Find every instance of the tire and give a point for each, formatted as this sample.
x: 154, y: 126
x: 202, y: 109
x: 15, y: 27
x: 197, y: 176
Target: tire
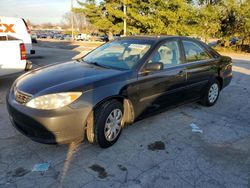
x: 106, y: 131
x: 212, y: 94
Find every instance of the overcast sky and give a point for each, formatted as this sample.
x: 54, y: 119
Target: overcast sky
x: 37, y: 11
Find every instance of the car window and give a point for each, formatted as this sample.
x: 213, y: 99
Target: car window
x: 194, y: 52
x: 121, y: 54
x: 168, y: 54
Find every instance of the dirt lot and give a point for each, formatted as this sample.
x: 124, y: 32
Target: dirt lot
x: 160, y: 151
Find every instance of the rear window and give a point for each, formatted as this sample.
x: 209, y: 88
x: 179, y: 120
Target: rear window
x: 194, y: 51
x: 7, y: 37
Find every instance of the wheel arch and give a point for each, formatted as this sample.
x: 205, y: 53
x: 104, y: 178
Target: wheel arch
x: 220, y: 80
x: 129, y: 114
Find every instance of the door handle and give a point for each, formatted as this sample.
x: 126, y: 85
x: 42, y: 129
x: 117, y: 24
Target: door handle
x: 182, y: 73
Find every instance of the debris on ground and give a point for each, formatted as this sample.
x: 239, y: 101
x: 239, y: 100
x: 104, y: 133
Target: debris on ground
x: 40, y: 167
x: 158, y: 145
x: 19, y: 172
x: 102, y: 174
x: 195, y: 128
x: 122, y: 168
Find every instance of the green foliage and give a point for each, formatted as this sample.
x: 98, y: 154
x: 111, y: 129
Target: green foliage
x: 208, y: 21
x: 160, y: 17
x: 106, y: 16
x: 236, y: 20
x: 204, y: 18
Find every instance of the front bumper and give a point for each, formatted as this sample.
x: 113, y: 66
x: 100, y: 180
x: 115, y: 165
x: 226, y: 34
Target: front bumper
x: 51, y: 127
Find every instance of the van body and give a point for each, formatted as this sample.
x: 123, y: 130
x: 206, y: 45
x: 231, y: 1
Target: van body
x: 12, y: 56
x: 17, y: 28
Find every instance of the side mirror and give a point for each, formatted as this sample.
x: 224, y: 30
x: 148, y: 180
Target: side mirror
x: 150, y: 67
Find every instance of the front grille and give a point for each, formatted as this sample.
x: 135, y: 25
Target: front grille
x: 21, y: 97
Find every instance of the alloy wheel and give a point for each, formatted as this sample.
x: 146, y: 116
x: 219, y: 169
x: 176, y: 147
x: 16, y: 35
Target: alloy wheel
x: 113, y: 125
x: 213, y: 93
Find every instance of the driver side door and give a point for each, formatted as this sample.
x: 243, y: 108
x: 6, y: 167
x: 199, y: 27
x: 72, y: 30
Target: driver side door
x: 163, y: 87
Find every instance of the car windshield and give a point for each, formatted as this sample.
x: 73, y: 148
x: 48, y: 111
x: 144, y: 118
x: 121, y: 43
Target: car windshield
x: 120, y: 54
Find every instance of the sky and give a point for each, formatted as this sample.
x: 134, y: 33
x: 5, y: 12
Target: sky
x: 37, y: 11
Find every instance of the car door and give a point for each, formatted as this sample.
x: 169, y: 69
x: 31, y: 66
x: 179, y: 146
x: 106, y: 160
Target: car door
x: 162, y: 87
x: 200, y: 67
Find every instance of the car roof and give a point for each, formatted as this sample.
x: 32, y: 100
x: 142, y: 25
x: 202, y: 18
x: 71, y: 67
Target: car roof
x: 153, y: 38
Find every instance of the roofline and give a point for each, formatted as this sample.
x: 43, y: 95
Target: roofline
x: 155, y: 38
x: 151, y: 36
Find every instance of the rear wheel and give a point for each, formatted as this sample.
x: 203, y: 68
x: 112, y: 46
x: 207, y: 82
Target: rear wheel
x: 212, y: 94
x: 108, y: 123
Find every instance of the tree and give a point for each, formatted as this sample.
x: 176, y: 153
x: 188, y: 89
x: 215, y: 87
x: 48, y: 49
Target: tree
x: 144, y: 16
x: 205, y: 18
x: 244, y: 24
x: 235, y: 20
x: 208, y: 20
x: 107, y: 16
x: 80, y: 22
x: 209, y: 2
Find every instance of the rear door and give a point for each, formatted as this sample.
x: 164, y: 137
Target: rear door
x: 200, y: 67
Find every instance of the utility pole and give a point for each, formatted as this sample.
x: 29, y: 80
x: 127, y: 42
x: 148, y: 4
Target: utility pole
x: 72, y: 21
x: 125, y: 18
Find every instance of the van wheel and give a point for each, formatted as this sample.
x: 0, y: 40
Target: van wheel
x: 108, y: 123
x: 212, y: 94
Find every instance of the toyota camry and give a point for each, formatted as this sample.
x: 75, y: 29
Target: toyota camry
x: 95, y: 96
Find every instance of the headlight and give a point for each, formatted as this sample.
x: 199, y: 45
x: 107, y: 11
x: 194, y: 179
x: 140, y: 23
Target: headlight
x: 53, y: 101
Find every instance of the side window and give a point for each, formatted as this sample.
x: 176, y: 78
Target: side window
x: 194, y: 52
x: 168, y: 54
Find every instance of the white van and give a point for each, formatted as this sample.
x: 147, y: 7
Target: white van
x: 17, y: 28
x: 12, y: 56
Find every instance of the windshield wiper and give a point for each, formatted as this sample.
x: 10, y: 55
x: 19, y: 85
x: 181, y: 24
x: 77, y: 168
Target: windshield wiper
x: 97, y: 64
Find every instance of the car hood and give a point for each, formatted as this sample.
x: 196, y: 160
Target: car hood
x: 63, y: 77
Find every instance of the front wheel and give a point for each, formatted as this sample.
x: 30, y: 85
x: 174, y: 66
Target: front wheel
x: 212, y: 94
x: 108, y: 119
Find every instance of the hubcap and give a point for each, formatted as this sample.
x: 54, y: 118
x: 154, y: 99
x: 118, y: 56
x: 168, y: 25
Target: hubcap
x: 213, y: 93
x: 113, y: 125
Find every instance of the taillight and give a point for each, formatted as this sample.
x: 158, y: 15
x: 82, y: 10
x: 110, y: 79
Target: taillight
x: 22, y: 51
x: 26, y: 25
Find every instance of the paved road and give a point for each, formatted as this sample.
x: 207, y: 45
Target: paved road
x: 160, y: 151
x: 49, y: 53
